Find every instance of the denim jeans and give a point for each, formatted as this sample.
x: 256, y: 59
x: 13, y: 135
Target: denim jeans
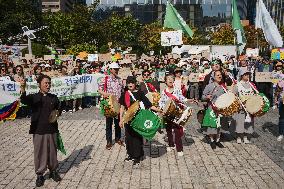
x: 109, y: 122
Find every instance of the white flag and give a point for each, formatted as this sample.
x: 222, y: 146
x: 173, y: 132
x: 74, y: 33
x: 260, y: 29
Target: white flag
x: 265, y: 22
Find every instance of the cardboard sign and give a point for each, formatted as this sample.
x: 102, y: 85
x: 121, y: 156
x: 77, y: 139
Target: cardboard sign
x: 105, y: 57
x: 250, y: 52
x: 130, y: 56
x: 263, y: 77
x: 193, y: 77
x: 65, y: 57
x: 277, y: 54
x: 29, y: 56
x: 48, y: 57
x: 83, y: 55
x: 93, y: 57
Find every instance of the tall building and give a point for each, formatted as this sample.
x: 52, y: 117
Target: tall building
x: 57, y: 5
x: 200, y: 13
x: 82, y: 2
x: 276, y: 10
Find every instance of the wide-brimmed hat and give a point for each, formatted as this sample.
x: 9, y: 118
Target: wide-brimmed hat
x: 244, y: 71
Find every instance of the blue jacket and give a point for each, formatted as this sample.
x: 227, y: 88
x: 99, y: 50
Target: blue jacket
x: 260, y: 66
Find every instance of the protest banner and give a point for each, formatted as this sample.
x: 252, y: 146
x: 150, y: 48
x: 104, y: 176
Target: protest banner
x: 65, y: 57
x: 277, y: 54
x: 65, y: 88
x: 250, y: 52
x: 171, y: 38
x: 263, y: 77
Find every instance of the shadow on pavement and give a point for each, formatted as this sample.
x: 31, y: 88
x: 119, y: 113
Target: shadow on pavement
x: 75, y: 158
x: 271, y: 127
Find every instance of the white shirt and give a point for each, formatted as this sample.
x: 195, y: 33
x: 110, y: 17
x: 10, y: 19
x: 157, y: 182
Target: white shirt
x: 164, y: 98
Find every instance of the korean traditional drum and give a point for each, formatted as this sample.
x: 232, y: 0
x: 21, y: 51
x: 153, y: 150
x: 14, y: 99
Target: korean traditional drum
x: 131, y: 112
x: 257, y: 105
x: 112, y: 108
x: 227, y: 104
x: 154, y: 98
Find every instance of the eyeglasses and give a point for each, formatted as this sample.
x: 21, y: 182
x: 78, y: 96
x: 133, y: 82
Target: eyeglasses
x: 18, y: 69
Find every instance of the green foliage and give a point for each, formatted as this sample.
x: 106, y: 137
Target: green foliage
x: 223, y: 36
x: 37, y: 49
x: 76, y: 49
x: 14, y: 14
x: 104, y: 49
x: 255, y: 38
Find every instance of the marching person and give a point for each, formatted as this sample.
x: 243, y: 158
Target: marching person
x: 148, y: 84
x: 133, y: 140
x: 179, y: 82
x: 176, y: 95
x: 211, y: 121
x: 44, y: 131
x: 112, y: 85
x: 244, y: 123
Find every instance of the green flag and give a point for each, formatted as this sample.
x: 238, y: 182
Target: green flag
x: 59, y: 144
x: 210, y: 119
x: 238, y: 27
x: 175, y: 21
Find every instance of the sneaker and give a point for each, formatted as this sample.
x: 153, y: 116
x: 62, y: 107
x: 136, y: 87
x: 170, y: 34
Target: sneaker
x: 280, y: 138
x: 169, y: 148
x: 70, y: 111
x: 213, y: 145
x: 39, y: 181
x: 136, y: 162
x: 180, y: 153
x: 55, y: 176
x: 119, y: 142
x: 239, y: 140
x: 246, y: 140
x: 220, y: 145
x: 74, y: 109
x: 63, y: 111
x: 80, y: 108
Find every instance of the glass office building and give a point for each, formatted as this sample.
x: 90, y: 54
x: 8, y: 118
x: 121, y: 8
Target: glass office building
x: 200, y: 13
x: 276, y: 10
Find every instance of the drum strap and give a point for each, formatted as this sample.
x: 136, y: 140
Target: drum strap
x: 174, y: 98
x: 127, y: 99
x: 151, y: 87
x: 254, y: 87
x: 105, y: 84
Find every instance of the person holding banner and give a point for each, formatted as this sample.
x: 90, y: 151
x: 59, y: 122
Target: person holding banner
x: 175, y: 94
x: 244, y: 122
x: 211, y: 121
x: 112, y: 85
x: 133, y: 139
x: 44, y: 128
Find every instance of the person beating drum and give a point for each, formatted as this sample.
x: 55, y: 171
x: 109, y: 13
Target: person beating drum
x: 176, y: 95
x: 133, y: 140
x: 244, y: 124
x: 211, y: 121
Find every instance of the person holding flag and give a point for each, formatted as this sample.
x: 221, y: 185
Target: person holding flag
x: 176, y: 95
x: 211, y: 121
x: 44, y: 128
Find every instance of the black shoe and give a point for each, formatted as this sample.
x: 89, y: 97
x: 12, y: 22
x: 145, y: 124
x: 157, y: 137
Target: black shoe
x: 220, y: 145
x: 213, y: 145
x: 55, y: 176
x: 128, y: 159
x: 39, y: 181
x: 136, y: 162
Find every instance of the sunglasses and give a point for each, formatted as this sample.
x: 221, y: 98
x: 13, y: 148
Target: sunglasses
x: 146, y: 74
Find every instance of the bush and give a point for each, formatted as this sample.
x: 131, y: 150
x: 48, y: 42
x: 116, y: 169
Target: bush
x: 37, y: 50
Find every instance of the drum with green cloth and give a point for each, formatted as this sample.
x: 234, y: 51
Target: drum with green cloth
x: 146, y: 123
x: 257, y: 105
x: 210, y: 119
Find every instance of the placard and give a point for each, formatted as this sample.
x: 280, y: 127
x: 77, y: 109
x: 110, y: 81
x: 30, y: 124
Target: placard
x: 105, y: 57
x: 48, y: 57
x: 263, y: 77
x: 93, y: 57
x: 250, y: 52
x: 171, y: 38
x: 65, y: 57
x: 161, y: 76
x: 193, y: 77
x: 130, y: 56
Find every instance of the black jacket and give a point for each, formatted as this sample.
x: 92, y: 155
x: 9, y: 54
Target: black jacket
x: 41, y: 107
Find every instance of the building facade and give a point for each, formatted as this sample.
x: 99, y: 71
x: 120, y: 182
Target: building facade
x: 199, y: 13
x: 276, y: 10
x: 57, y: 5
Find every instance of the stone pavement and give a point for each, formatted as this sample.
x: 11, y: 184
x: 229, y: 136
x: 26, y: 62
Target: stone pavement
x: 89, y: 165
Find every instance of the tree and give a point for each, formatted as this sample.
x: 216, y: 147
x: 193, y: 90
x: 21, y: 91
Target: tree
x: 14, y: 14
x: 223, y: 36
x: 38, y: 50
x: 199, y: 37
x: 76, y: 49
x: 150, y: 37
x: 255, y: 38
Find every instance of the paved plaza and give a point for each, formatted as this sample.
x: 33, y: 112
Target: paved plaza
x: 88, y: 165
